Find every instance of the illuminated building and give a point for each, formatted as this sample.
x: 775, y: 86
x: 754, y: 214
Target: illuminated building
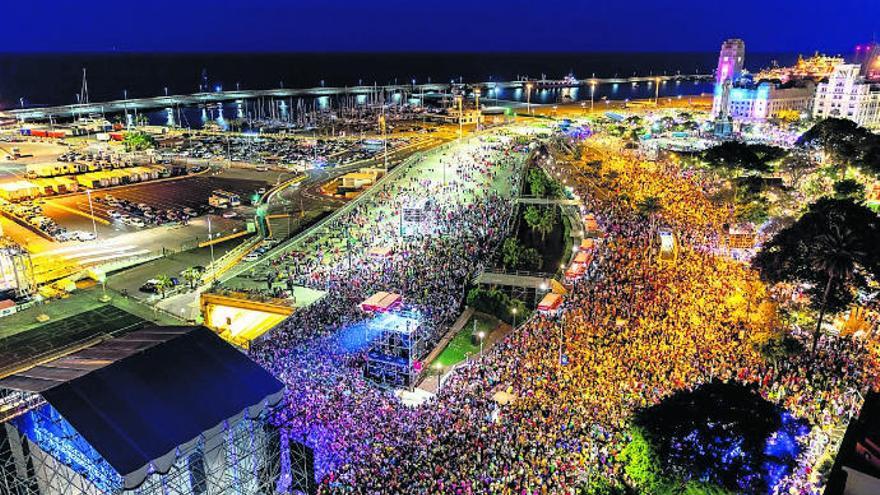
x: 240, y: 319
x: 869, y: 57
x: 162, y: 410
x: 848, y: 95
x: 767, y: 99
x: 815, y: 68
x: 730, y: 67
x: 736, y: 98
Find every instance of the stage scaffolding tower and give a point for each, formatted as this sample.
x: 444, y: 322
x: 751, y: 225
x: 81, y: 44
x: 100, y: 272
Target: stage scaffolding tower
x: 393, y: 357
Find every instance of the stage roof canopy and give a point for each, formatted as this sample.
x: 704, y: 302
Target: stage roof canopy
x: 138, y: 397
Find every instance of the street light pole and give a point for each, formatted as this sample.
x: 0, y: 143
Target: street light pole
x: 460, y: 115
x: 439, y: 368
x: 657, y: 92
x: 384, y: 140
x: 514, y: 317
x: 561, y: 342
x: 92, y: 212
x: 529, y: 98
x: 592, y: 94
x: 211, y: 245
x: 477, y: 92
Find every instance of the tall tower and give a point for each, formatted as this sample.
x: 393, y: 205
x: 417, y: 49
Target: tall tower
x: 730, y: 66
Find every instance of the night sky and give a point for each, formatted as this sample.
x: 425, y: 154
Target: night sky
x: 834, y: 26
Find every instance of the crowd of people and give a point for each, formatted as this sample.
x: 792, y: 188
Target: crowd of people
x: 630, y: 333
x: 470, y: 190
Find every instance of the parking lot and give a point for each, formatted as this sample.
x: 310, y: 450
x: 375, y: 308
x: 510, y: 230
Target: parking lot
x: 296, y: 152
x: 178, y: 201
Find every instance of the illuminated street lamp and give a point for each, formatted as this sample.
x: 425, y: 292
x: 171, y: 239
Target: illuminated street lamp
x: 514, y: 317
x: 439, y: 368
x: 460, y: 99
x: 481, y: 335
x: 529, y: 97
x: 477, y: 92
x: 657, y: 92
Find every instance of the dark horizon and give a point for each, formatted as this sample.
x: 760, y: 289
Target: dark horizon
x: 49, y: 78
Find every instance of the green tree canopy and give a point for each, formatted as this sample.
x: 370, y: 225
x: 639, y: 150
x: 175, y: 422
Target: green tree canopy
x: 163, y: 283
x: 138, y: 141
x: 832, y: 249
x: 649, y: 207
x: 540, y: 219
x: 735, y: 157
x: 849, y: 189
x: 712, y: 439
x: 844, y: 142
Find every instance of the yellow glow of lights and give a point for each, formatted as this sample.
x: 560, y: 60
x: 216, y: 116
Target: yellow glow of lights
x: 238, y: 324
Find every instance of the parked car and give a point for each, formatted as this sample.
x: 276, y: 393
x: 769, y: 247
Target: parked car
x: 150, y: 286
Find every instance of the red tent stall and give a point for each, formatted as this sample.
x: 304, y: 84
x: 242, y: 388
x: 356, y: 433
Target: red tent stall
x: 382, y: 302
x: 550, y: 302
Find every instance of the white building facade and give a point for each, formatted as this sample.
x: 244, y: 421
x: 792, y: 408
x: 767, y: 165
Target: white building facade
x: 847, y: 95
x: 766, y: 100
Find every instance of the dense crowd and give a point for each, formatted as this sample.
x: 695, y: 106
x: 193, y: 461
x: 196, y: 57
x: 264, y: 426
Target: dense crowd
x: 630, y: 333
x: 470, y: 204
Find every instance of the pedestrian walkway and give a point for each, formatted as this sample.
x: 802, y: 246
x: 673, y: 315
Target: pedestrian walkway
x: 546, y: 201
x: 519, y: 279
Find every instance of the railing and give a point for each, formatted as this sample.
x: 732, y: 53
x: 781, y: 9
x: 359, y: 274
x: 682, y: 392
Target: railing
x: 216, y: 268
x: 519, y: 273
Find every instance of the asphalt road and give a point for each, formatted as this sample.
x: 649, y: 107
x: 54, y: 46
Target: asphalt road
x: 131, y: 279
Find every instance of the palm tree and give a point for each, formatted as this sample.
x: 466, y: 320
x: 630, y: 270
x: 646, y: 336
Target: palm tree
x: 511, y: 253
x: 192, y: 276
x: 648, y: 207
x: 836, y: 256
x: 163, y: 283
x: 548, y: 221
